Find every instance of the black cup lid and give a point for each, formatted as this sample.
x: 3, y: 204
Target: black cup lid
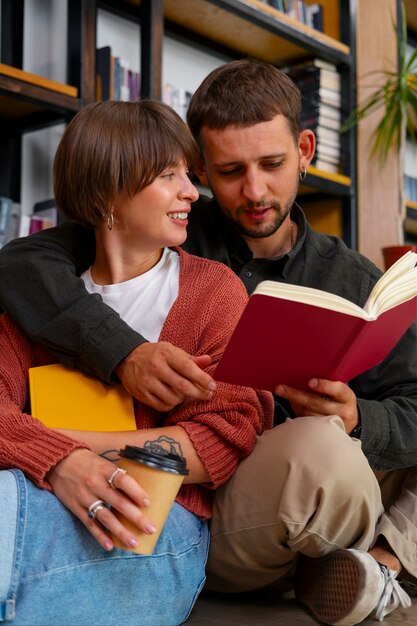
x: 168, y: 462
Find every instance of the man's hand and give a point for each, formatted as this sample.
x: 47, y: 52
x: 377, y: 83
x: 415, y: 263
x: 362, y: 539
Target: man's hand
x: 161, y: 375
x: 326, y: 398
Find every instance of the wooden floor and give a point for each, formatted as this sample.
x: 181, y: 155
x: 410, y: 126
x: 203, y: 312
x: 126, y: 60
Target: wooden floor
x: 264, y: 609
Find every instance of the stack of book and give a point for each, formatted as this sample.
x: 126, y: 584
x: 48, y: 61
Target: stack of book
x: 320, y: 86
x: 114, y: 78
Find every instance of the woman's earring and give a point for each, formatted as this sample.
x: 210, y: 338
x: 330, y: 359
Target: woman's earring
x: 302, y: 174
x: 110, y: 221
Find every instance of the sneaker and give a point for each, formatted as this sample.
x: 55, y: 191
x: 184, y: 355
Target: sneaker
x: 344, y: 587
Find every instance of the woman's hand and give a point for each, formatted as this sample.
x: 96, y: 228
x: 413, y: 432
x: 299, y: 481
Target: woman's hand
x: 82, y: 478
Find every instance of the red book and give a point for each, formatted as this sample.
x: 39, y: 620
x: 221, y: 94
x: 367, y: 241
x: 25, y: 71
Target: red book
x: 288, y: 334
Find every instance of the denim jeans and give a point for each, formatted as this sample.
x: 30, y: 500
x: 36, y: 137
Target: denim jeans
x: 52, y: 571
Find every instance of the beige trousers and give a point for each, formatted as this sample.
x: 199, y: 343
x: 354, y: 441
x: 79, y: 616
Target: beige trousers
x: 307, y: 487
x: 399, y: 522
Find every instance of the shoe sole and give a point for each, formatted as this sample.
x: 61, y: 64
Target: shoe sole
x: 336, y: 588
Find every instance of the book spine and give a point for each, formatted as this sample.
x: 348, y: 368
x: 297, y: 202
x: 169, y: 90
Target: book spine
x: 6, y: 206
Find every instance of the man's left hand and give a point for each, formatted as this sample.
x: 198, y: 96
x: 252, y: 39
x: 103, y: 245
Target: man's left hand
x: 325, y: 398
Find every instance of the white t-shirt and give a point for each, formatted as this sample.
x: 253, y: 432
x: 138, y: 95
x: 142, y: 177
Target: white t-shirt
x: 143, y: 302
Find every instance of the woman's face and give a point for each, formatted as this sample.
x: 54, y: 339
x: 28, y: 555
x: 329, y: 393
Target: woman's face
x: 157, y: 216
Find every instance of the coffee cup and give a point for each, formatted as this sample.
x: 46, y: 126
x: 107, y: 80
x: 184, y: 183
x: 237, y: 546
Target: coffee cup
x: 161, y: 476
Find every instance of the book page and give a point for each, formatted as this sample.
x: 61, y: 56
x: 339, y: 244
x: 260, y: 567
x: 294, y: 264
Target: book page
x: 398, y: 284
x: 309, y: 295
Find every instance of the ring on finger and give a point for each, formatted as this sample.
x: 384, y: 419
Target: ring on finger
x: 118, y: 470
x: 94, y: 508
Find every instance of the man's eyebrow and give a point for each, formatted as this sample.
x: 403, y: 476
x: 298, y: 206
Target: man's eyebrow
x: 264, y: 157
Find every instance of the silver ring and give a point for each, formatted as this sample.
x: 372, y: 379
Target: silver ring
x: 113, y: 476
x: 94, y: 508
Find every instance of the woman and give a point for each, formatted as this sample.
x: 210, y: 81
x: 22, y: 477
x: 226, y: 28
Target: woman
x: 122, y: 169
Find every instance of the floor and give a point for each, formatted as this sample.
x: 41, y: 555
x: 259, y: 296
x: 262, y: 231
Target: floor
x: 264, y: 609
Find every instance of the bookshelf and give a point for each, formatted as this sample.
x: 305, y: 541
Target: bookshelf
x: 224, y: 28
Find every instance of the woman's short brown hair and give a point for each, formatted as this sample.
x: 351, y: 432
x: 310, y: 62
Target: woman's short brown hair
x: 112, y: 148
x: 243, y: 93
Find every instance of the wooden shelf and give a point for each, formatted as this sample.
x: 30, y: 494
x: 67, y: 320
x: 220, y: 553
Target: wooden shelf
x: 31, y: 97
x: 38, y: 81
x: 253, y: 28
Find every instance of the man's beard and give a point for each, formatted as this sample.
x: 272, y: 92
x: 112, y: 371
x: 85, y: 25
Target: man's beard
x: 261, y: 230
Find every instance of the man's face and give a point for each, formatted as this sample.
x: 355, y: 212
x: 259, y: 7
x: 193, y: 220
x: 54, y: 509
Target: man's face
x: 253, y: 173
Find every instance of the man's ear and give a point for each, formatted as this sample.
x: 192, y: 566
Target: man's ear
x: 200, y: 172
x: 306, y: 147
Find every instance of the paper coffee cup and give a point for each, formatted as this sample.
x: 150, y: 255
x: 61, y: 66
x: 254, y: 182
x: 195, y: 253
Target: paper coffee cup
x: 161, y: 476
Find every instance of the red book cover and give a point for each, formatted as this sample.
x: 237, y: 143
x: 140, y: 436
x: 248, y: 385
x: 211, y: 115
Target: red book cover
x: 280, y: 341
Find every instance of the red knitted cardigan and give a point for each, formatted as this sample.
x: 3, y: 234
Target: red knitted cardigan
x: 223, y: 430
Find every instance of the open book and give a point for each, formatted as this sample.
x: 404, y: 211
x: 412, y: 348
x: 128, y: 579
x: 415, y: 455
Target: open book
x: 61, y: 397
x: 288, y: 334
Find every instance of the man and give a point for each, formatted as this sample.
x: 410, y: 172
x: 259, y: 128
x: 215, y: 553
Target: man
x: 307, y: 489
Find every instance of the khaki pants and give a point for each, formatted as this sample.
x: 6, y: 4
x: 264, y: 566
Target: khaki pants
x: 399, y: 522
x: 307, y: 487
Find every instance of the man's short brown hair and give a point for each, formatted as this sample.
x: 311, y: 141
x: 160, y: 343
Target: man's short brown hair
x: 112, y: 148
x: 244, y: 93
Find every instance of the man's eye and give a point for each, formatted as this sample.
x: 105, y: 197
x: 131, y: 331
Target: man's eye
x: 273, y: 165
x: 229, y: 172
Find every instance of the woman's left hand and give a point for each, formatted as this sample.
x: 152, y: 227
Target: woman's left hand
x: 82, y: 478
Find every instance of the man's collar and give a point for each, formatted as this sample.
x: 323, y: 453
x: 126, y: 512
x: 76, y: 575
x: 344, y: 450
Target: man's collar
x: 239, y: 249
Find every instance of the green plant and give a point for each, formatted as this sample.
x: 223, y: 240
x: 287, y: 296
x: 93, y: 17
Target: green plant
x: 398, y: 96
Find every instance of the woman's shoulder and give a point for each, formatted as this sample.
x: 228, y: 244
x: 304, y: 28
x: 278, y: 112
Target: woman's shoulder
x: 216, y: 269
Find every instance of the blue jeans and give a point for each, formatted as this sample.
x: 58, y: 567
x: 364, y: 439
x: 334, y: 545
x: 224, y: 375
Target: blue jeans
x: 53, y: 572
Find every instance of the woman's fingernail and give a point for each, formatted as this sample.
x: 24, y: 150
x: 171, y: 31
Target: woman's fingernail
x: 108, y: 546
x: 146, y: 502
x: 150, y: 529
x: 132, y: 542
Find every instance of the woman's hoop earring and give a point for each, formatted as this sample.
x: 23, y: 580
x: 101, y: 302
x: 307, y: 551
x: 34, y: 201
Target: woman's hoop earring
x: 302, y: 174
x: 110, y: 221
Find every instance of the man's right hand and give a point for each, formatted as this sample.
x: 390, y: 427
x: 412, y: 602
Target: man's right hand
x: 162, y: 375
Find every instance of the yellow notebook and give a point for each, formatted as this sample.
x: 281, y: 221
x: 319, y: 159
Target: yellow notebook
x: 64, y: 398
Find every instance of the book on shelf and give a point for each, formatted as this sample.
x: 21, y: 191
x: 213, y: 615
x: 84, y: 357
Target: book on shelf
x: 314, y: 109
x: 310, y: 14
x: 318, y: 119
x: 322, y: 163
x: 61, y: 397
x: 328, y: 136
x: 104, y: 73
x: 288, y: 334
x: 314, y: 74
x: 314, y: 16
x: 114, y: 78
x: 327, y: 151
x: 319, y: 96
x: 6, y: 206
x: 410, y: 188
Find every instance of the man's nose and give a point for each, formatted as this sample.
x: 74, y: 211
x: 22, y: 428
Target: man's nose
x: 254, y: 187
